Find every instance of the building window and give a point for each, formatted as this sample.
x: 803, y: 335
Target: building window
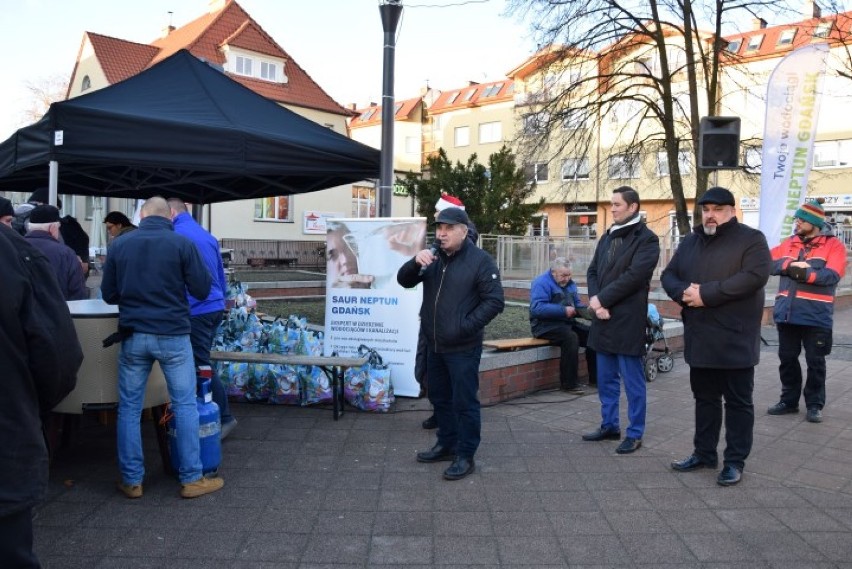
x: 734, y: 46
x: 273, y: 209
x: 623, y: 166
x: 469, y: 95
x: 453, y: 97
x: 786, y: 37
x: 243, y: 66
x: 492, y: 90
x: 822, y: 30
x: 490, y: 132
x: 368, y: 114
x: 461, y: 136
x: 833, y: 154
x: 753, y: 159
x: 87, y: 84
x: 572, y: 119
x: 412, y: 145
x: 575, y: 169
x: 536, y: 123
x: 754, y: 42
x: 268, y: 71
x: 683, y: 163
x: 536, y: 172
x: 363, y: 201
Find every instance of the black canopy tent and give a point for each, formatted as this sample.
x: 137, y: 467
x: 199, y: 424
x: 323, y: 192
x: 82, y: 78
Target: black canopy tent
x: 183, y: 129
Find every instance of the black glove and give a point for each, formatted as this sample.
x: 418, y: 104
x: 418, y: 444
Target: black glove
x: 122, y: 334
x: 797, y: 273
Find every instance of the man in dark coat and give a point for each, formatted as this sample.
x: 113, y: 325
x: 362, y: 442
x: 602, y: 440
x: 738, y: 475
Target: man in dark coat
x: 41, y: 356
x: 43, y: 233
x: 717, y: 276
x: 461, y: 294
x: 618, y: 279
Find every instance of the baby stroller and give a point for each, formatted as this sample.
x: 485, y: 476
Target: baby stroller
x: 658, y: 356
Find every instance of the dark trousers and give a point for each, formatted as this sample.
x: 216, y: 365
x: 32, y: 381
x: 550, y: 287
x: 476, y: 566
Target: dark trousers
x: 817, y: 344
x: 709, y: 387
x: 453, y: 385
x: 203, y: 328
x: 591, y: 357
x: 568, y: 343
x: 16, y: 541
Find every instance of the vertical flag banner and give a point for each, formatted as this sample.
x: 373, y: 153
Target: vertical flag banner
x: 363, y: 302
x: 792, y: 108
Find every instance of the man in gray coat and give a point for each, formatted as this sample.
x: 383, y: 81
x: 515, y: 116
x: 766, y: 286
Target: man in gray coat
x: 717, y: 276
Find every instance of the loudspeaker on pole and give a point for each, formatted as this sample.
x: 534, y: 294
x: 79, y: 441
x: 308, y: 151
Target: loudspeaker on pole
x: 719, y: 143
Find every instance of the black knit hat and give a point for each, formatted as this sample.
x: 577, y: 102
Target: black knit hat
x: 44, y: 214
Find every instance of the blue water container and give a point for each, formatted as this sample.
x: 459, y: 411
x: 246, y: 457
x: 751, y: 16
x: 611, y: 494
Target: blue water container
x: 209, y: 427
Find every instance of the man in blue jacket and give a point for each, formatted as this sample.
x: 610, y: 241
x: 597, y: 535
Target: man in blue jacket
x: 461, y: 294
x: 205, y: 315
x: 554, y: 305
x: 147, y: 274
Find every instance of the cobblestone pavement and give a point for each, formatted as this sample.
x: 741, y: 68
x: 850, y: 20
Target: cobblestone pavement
x: 304, y: 491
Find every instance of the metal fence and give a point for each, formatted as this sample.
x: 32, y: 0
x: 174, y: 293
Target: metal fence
x: 307, y: 253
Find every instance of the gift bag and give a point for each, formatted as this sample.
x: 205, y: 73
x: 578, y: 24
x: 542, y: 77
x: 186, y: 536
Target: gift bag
x: 316, y: 387
x: 369, y: 387
x: 285, y: 382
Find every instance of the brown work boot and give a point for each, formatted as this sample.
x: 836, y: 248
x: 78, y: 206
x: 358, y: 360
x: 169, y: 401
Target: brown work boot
x: 132, y: 491
x: 201, y: 487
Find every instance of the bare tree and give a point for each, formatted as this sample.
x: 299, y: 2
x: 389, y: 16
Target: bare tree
x: 650, y: 67
x: 44, y: 91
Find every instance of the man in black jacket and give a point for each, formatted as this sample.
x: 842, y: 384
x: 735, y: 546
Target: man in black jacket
x: 41, y: 356
x: 618, y: 279
x: 461, y: 294
x: 717, y: 276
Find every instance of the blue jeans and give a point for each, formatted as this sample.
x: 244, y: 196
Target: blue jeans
x: 612, y: 369
x: 138, y: 353
x: 453, y: 386
x: 204, y: 327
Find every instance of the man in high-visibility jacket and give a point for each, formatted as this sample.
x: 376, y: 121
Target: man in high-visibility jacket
x: 810, y: 263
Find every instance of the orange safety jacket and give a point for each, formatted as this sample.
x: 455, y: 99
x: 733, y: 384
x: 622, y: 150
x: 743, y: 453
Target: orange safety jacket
x: 809, y: 299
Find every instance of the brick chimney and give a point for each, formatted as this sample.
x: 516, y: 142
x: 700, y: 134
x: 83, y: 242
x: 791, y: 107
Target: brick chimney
x: 167, y: 30
x: 758, y: 24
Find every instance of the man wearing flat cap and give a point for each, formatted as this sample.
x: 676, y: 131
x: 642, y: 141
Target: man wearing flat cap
x: 461, y: 294
x: 717, y: 276
x: 811, y: 264
x: 43, y: 234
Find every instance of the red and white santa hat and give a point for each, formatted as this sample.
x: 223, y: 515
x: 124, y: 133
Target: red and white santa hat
x: 446, y: 200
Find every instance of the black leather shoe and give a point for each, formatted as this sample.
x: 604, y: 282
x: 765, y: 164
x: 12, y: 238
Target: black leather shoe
x: 814, y: 415
x: 461, y: 467
x: 437, y: 454
x: 628, y: 445
x: 602, y: 435
x: 691, y: 463
x: 782, y: 408
x: 729, y: 476
x: 430, y: 423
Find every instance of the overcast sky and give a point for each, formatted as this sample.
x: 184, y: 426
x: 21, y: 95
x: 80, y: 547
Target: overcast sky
x: 338, y: 42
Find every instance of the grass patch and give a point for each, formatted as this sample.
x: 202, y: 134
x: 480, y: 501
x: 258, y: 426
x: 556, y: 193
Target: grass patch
x: 513, y: 322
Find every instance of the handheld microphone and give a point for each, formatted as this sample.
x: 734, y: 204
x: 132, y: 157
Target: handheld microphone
x: 436, y: 245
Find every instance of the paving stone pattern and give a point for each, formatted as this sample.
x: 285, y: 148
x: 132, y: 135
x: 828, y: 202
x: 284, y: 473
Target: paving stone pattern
x: 302, y: 491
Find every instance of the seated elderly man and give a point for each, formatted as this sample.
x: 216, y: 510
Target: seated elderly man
x: 43, y: 234
x: 554, y: 307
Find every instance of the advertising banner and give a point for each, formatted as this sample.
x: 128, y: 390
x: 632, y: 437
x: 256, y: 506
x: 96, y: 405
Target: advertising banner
x: 364, y: 303
x: 792, y: 108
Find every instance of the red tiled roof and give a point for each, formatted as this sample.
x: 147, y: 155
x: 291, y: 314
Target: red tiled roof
x: 204, y: 37
x: 367, y: 118
x: 804, y: 35
x: 474, y: 96
x: 119, y: 58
